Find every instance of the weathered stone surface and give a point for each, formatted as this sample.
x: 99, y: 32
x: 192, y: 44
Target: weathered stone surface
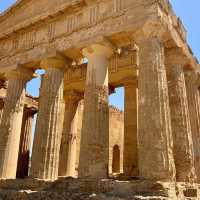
x: 130, y: 160
x: 58, y: 36
x: 87, y: 189
x: 155, y: 143
x: 94, y: 149
x: 45, y: 158
x: 194, y: 112
x: 180, y: 119
x: 10, y: 127
x: 116, y: 139
x: 68, y: 144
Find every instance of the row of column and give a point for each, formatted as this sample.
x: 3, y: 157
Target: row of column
x: 10, y: 127
x: 25, y: 136
x: 168, y: 129
x: 159, y: 112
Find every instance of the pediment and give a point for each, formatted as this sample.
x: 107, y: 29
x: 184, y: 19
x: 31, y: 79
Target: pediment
x: 29, y: 11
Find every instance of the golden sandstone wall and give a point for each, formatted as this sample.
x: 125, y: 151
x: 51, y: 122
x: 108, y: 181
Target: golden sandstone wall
x: 116, y: 136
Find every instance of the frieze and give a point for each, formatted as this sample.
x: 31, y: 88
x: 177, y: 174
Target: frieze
x: 118, y: 5
x: 113, y: 16
x: 93, y: 14
x: 27, y: 40
x: 65, y: 24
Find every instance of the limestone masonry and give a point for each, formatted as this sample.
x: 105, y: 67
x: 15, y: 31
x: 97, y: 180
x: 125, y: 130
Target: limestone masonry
x: 83, y: 148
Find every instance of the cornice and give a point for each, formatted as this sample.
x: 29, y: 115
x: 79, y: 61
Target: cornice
x: 11, y: 9
x: 68, y: 7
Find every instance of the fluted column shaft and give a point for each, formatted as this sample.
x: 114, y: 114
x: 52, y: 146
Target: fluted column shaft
x: 194, y: 113
x: 181, y: 129
x: 94, y: 149
x: 10, y: 127
x: 67, y: 158
x: 46, y: 147
x: 130, y: 157
x: 154, y: 126
x: 25, y: 143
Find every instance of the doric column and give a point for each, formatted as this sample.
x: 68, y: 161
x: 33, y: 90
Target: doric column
x: 94, y: 150
x: 10, y: 127
x: 46, y: 147
x: 25, y: 143
x: 194, y: 113
x: 155, y: 144
x: 181, y: 129
x: 130, y: 157
x: 67, y: 158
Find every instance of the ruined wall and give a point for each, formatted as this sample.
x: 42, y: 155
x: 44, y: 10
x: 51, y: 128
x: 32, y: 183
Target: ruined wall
x: 116, y: 135
x: 116, y: 130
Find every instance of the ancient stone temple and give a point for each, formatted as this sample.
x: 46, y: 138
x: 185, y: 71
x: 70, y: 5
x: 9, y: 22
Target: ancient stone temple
x: 82, y: 148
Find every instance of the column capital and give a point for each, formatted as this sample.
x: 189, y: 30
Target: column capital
x: 149, y: 31
x: 180, y: 56
x: 55, y: 60
x: 193, y: 76
x: 72, y: 96
x: 97, y: 50
x: 175, y: 56
x: 191, y: 72
x: 21, y: 73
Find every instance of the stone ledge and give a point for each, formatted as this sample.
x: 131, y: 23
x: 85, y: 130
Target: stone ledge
x: 68, y: 188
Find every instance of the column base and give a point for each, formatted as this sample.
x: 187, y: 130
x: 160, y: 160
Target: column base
x: 104, y: 189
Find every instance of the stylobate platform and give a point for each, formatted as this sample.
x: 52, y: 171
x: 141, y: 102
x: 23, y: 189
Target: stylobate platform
x: 86, y: 189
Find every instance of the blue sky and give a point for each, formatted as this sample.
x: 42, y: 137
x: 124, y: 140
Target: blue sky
x: 187, y: 10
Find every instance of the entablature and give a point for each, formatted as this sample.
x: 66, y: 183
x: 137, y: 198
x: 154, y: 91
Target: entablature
x: 96, y: 19
x: 121, y: 67
x: 176, y: 34
x: 80, y: 23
